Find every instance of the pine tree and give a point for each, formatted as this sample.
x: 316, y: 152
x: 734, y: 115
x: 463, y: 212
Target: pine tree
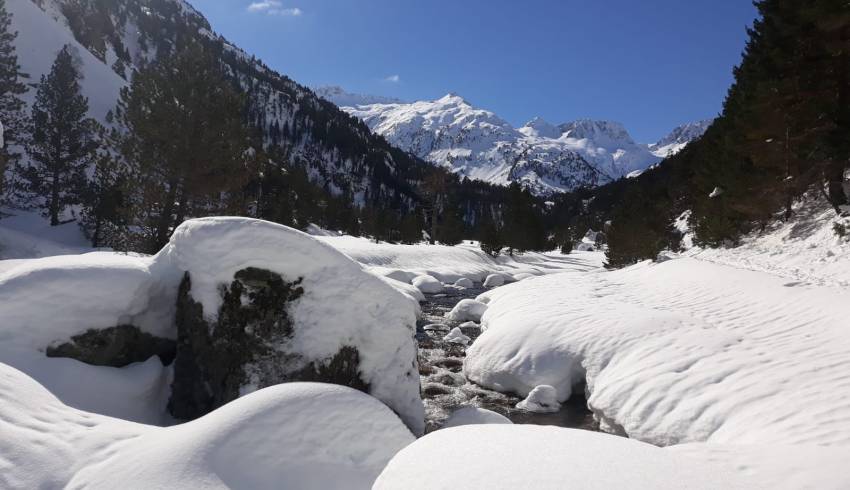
x: 103, y: 214
x: 11, y: 106
x: 63, y: 139
x: 183, y: 135
x: 490, y: 236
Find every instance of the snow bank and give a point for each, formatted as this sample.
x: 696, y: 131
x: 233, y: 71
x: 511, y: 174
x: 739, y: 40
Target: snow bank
x: 428, y: 284
x: 296, y: 435
x: 448, y: 264
x: 464, y: 282
x: 467, y: 310
x: 678, y: 352
x: 494, y: 281
x: 474, y: 415
x: 540, y: 457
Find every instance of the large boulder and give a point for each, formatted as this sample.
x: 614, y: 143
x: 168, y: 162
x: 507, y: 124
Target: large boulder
x: 262, y: 304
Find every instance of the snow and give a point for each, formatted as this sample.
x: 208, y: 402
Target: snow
x: 464, y: 282
x: 456, y: 336
x: 494, y: 280
x: 295, y: 435
x: 542, y: 399
x: 495, y: 456
x: 718, y: 353
x: 25, y: 234
x: 448, y: 264
x: 467, y: 310
x: 428, y: 284
x: 474, y: 415
x: 680, y: 137
x: 40, y: 38
x: 476, y: 143
x: 658, y: 345
x: 43, y: 301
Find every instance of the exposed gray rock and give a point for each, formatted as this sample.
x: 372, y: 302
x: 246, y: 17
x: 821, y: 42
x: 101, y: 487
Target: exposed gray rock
x: 115, y: 346
x: 247, y: 347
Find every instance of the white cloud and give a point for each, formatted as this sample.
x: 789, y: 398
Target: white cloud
x: 393, y: 79
x: 273, y: 7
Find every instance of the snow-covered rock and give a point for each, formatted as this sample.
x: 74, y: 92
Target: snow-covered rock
x: 495, y: 456
x: 474, y: 415
x: 523, y: 276
x: 297, y: 435
x: 494, y: 281
x: 542, y: 399
x: 456, y: 336
x: 467, y: 310
x: 464, y: 282
x: 428, y: 284
x: 342, y: 308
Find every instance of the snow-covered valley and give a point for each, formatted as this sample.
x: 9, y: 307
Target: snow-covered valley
x: 213, y: 277
x: 734, y: 365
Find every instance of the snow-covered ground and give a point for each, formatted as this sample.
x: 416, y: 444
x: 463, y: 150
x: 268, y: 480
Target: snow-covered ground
x: 734, y: 360
x: 448, y: 264
x: 741, y: 349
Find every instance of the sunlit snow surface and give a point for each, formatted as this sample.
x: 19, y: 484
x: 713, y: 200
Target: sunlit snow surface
x: 295, y: 435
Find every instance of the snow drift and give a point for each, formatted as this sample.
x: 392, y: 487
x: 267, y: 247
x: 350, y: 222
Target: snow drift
x: 296, y: 435
x: 497, y: 456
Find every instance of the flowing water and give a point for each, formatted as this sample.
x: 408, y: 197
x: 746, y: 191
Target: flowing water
x: 445, y: 388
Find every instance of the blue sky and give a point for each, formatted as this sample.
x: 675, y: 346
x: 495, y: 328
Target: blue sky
x: 648, y: 64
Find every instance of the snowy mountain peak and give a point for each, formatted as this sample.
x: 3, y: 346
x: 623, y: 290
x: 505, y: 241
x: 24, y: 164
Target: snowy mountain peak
x: 452, y: 98
x: 679, y: 138
x: 597, y: 131
x: 540, y: 128
x: 342, y: 98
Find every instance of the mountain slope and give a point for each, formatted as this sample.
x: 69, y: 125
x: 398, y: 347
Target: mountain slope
x: 679, y: 138
x: 112, y: 38
x: 478, y: 144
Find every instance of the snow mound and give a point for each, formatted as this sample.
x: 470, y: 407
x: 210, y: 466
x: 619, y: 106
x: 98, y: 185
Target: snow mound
x: 474, y: 415
x: 50, y: 299
x: 542, y: 399
x: 428, y: 284
x: 525, y: 456
x: 494, y: 281
x: 467, y: 310
x: 296, y: 435
x: 464, y: 282
x: 456, y: 336
x: 682, y: 351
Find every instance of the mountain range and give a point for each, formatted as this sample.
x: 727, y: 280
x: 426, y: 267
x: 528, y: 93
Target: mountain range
x: 478, y: 144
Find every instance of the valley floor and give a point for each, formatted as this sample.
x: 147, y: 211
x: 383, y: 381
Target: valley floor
x: 734, y: 361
